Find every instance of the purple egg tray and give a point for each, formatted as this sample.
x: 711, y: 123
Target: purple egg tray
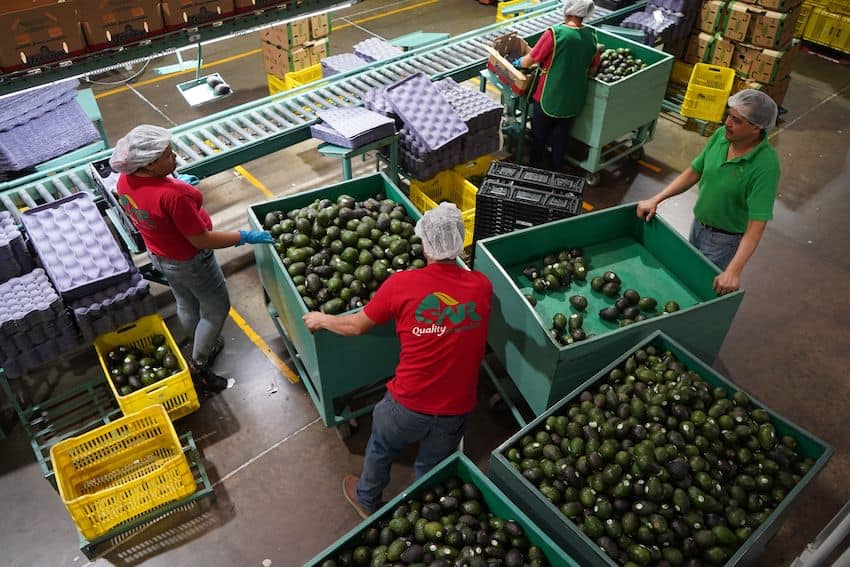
x: 475, y: 108
x: 376, y: 49
x: 113, y: 307
x: 341, y: 63
x: 15, y: 258
x: 75, y: 246
x: 481, y: 143
x: 425, y: 111
x: 354, y: 121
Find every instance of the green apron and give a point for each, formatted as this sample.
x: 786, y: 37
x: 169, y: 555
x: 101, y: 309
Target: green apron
x: 566, y: 79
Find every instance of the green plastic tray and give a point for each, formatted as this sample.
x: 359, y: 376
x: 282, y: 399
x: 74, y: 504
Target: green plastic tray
x: 459, y: 465
x: 567, y: 535
x: 650, y: 257
x: 335, y: 365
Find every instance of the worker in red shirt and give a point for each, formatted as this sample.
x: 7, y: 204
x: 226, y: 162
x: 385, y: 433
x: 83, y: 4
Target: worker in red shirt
x: 168, y: 212
x: 440, y: 313
x: 567, y: 56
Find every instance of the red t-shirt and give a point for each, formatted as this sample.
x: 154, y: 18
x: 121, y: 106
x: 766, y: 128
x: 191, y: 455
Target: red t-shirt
x: 165, y: 211
x: 542, y: 53
x: 441, y: 313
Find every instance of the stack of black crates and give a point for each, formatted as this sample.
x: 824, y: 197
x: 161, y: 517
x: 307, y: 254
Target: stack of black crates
x: 514, y: 196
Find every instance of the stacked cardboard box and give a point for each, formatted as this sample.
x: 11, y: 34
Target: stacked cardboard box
x: 754, y: 39
x: 107, y: 23
x: 188, y: 13
x: 295, y: 45
x: 38, y: 31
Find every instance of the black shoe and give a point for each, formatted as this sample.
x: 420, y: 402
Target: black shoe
x: 206, y: 379
x: 187, y: 347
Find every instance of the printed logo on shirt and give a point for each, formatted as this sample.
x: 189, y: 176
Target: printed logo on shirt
x: 440, y: 313
x: 139, y: 216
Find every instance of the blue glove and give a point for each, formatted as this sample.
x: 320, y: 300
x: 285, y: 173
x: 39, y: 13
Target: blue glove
x: 188, y: 178
x: 518, y: 63
x: 254, y: 237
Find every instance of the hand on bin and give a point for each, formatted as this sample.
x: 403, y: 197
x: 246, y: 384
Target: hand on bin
x: 254, y: 237
x: 518, y: 63
x: 188, y: 178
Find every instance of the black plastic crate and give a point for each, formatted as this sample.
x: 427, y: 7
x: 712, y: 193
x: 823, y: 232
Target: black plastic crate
x: 502, y: 207
x: 534, y: 177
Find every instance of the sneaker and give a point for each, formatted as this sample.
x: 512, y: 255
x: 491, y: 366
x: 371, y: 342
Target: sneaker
x: 188, y: 345
x: 206, y: 379
x: 349, y: 489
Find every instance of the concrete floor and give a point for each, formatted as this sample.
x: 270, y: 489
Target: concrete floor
x: 277, y: 470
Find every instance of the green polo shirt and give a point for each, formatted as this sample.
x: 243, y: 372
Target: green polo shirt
x: 734, y: 192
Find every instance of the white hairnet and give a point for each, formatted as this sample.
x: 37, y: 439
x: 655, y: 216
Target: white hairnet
x: 756, y: 107
x: 141, y: 146
x: 578, y: 8
x: 441, y: 230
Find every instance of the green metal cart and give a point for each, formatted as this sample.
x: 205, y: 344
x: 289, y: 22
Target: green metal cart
x: 567, y: 535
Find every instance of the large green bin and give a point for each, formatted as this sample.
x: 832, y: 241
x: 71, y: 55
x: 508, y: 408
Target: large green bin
x: 567, y: 535
x: 334, y: 365
x: 460, y: 466
x: 650, y: 257
x: 614, y: 109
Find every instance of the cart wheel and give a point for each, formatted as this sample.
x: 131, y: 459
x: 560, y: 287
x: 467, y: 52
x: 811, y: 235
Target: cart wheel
x: 592, y: 179
x: 638, y: 154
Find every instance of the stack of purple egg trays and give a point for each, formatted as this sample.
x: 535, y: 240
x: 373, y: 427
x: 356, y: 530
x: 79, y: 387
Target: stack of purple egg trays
x: 376, y: 49
x: 15, y: 258
x: 671, y: 20
x: 88, y: 269
x: 341, y: 63
x: 35, y: 327
x: 352, y: 126
x: 482, y: 115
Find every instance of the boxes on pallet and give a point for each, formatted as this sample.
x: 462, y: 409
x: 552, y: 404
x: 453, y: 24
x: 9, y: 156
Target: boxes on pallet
x: 712, y: 16
x: 287, y: 36
x: 113, y: 22
x: 739, y: 20
x: 320, y: 26
x: 763, y: 65
x: 38, y: 31
x: 776, y: 91
x: 774, y: 30
x: 248, y: 5
x: 707, y: 48
x: 779, y: 5
x: 722, y: 53
x: 317, y: 50
x: 188, y: 13
x: 279, y: 62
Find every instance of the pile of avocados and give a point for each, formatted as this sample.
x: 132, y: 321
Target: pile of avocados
x: 631, y: 307
x: 339, y: 252
x: 558, y: 271
x: 446, y: 525
x: 618, y: 63
x: 132, y: 368
x: 658, y: 467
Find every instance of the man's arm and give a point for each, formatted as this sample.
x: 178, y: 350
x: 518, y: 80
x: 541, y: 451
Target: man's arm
x: 729, y: 280
x: 684, y: 181
x: 347, y: 325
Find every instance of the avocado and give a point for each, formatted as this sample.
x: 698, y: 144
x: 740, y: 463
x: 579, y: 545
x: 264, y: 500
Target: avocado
x: 579, y: 302
x: 579, y: 271
x: 611, y: 289
x: 559, y: 321
x: 170, y: 362
x: 576, y: 321
x: 530, y: 299
x: 611, y: 277
x: 647, y: 304
x: 609, y: 313
x: 597, y: 283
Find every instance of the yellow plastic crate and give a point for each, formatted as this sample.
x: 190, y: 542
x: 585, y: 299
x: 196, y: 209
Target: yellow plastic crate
x: 276, y: 85
x: 121, y: 470
x: 307, y: 75
x: 708, y: 91
x: 447, y: 186
x: 681, y: 73
x: 176, y: 393
x: 475, y: 168
x: 840, y: 7
x: 500, y: 16
x: 802, y: 18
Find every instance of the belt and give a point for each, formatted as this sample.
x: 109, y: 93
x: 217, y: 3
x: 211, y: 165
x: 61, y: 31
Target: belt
x: 719, y: 230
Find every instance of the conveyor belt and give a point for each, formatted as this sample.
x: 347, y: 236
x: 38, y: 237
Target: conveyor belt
x: 239, y: 135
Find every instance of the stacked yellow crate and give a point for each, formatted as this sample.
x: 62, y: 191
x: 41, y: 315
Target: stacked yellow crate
x: 828, y: 24
x: 293, y: 47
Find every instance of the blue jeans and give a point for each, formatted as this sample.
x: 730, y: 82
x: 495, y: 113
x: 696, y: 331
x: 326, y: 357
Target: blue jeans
x: 201, y: 295
x: 394, y: 427
x: 718, y: 247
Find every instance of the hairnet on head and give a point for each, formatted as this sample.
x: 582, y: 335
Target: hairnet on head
x: 578, y: 8
x: 141, y: 146
x: 756, y: 107
x: 441, y: 230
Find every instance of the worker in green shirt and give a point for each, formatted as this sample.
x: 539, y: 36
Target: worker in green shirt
x: 738, y: 173
x: 567, y: 56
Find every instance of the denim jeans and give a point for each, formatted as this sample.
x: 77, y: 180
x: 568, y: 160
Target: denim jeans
x: 718, y: 247
x: 394, y: 427
x: 545, y: 130
x: 201, y: 295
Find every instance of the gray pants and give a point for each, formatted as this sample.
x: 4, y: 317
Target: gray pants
x: 718, y: 247
x: 201, y: 295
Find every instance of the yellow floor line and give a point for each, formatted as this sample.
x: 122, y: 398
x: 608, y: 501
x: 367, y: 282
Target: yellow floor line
x: 587, y: 206
x: 264, y: 347
x: 650, y: 166
x: 253, y: 181
x: 244, y: 54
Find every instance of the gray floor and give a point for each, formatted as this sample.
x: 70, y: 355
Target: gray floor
x: 278, y: 470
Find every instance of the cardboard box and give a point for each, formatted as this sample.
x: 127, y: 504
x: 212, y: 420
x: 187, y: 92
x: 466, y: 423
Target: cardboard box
x: 317, y: 50
x: 711, y: 16
x: 776, y: 91
x: 779, y: 5
x: 774, y: 30
x: 723, y: 52
x: 112, y: 22
x: 279, y: 62
x: 320, y: 26
x: 739, y: 20
x: 505, y: 49
x: 763, y: 65
x: 38, y: 31
x: 250, y: 5
x: 699, y: 48
x: 190, y: 13
x: 287, y: 36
